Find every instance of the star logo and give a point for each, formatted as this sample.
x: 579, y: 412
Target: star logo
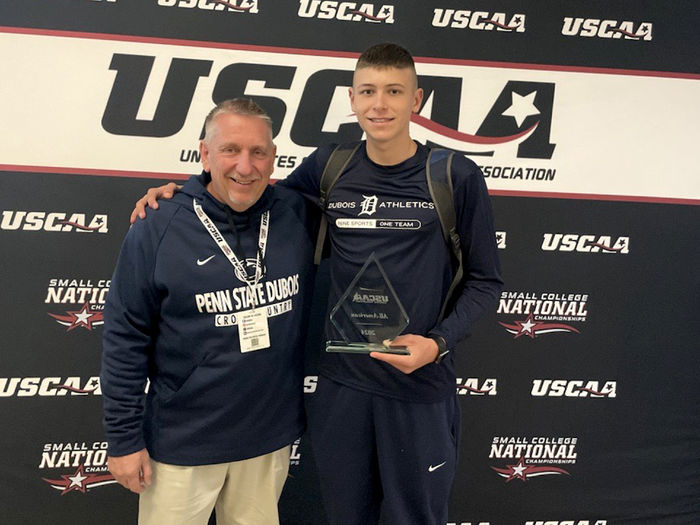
x: 532, y: 328
x: 522, y: 471
x: 80, y: 481
x: 85, y: 318
x: 521, y: 107
x: 518, y: 470
x: 77, y: 481
x: 93, y: 384
x: 526, y: 327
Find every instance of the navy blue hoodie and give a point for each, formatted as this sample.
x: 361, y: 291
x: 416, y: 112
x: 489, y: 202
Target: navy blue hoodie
x: 168, y: 319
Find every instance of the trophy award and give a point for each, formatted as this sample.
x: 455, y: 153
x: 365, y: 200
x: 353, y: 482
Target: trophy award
x: 368, y: 313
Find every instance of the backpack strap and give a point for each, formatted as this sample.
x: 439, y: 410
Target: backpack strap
x: 438, y: 174
x: 335, y: 166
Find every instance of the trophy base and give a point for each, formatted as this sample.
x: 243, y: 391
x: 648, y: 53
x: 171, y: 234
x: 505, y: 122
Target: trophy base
x: 364, y: 348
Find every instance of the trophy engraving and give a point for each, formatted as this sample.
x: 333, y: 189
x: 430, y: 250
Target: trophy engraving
x: 369, y: 313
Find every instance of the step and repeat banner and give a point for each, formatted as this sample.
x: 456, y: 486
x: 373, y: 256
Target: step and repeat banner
x: 579, y: 391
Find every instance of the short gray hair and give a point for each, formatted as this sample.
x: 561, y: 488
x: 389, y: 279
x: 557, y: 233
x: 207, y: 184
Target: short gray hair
x: 236, y: 106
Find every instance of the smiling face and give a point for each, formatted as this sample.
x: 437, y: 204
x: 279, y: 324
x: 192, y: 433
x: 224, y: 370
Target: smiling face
x: 383, y: 98
x: 240, y: 156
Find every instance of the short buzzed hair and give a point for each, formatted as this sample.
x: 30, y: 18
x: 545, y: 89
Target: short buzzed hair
x: 236, y: 106
x: 383, y: 56
x: 386, y: 55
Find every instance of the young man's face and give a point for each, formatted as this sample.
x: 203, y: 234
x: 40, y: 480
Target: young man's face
x: 383, y: 100
x: 240, y: 156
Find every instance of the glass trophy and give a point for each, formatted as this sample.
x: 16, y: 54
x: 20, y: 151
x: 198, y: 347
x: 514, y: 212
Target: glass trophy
x: 368, y: 314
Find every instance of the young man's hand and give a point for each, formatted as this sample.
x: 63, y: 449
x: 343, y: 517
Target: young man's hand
x: 132, y: 471
x: 423, y: 351
x: 150, y: 200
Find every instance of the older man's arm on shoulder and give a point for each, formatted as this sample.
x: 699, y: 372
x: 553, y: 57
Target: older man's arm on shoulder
x: 150, y: 200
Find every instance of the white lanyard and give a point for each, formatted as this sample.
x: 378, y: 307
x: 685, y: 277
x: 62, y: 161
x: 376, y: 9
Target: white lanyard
x: 229, y: 253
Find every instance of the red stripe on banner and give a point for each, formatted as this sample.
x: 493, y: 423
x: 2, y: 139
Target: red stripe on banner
x: 498, y: 193
x: 554, y: 67
x: 594, y: 197
x: 174, y: 42
x: 341, y: 54
x: 92, y: 172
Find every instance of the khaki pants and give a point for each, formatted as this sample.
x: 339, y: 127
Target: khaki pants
x: 244, y: 492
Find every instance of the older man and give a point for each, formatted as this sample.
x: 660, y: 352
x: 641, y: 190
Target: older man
x: 207, y: 302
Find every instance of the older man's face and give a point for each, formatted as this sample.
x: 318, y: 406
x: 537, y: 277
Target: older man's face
x: 240, y: 156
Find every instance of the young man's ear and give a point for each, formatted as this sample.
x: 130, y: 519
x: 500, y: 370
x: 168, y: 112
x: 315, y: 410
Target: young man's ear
x: 351, y: 94
x: 417, y: 99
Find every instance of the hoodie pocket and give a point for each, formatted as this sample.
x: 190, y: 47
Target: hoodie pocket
x: 167, y: 395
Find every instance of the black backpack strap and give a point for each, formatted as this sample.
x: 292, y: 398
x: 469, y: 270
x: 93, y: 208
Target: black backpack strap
x: 438, y: 173
x: 335, y: 165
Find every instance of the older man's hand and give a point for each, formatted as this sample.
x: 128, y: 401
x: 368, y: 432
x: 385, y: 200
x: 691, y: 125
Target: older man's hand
x: 150, y: 200
x: 132, y: 471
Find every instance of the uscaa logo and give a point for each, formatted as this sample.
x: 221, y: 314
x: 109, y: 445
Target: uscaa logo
x: 566, y: 522
x: 53, y: 221
x: 87, y: 300
x: 527, y: 458
x: 49, y: 386
x: 347, y: 11
x: 540, y: 313
x: 573, y: 388
x: 594, y: 27
x: 234, y: 6
x: 515, y: 117
x: 569, y: 242
x: 478, y: 20
x: 75, y: 467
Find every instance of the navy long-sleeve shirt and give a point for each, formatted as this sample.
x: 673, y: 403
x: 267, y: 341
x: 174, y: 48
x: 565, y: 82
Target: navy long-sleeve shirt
x: 404, y: 232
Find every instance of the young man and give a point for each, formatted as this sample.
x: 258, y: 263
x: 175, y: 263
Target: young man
x: 208, y: 302
x: 384, y: 428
